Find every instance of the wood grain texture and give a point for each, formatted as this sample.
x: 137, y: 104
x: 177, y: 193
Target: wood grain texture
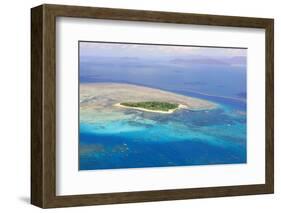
x: 269, y: 118
x: 36, y: 106
x: 43, y: 105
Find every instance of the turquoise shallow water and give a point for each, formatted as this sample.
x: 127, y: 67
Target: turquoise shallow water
x: 183, y: 138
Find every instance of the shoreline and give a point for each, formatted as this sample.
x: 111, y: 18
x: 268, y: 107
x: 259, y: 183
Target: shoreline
x: 104, y: 96
x: 170, y: 111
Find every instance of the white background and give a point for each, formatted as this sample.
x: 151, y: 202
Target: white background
x: 15, y: 107
x: 71, y: 181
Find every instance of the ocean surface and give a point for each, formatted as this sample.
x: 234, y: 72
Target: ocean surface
x: 183, y: 138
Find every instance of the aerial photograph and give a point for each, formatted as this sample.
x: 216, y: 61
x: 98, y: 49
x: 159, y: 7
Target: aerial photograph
x: 161, y: 105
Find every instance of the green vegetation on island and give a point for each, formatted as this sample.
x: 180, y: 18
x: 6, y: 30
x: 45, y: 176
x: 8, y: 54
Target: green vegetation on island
x: 152, y: 105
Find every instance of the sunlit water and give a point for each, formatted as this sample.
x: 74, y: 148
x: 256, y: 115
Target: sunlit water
x: 183, y: 138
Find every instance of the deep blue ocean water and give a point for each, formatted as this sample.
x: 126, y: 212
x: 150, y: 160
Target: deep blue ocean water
x: 184, y: 138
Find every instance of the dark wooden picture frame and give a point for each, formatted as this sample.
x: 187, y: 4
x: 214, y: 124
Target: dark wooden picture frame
x: 43, y: 105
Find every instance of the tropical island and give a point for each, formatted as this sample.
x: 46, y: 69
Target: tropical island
x: 152, y: 106
x: 110, y: 101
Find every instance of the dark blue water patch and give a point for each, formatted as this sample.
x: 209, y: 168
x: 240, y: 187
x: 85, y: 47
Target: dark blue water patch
x: 196, y: 83
x: 242, y: 95
x: 113, y: 152
x: 167, y: 76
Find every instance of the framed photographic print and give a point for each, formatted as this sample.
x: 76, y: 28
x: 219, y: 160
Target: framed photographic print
x: 135, y: 106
